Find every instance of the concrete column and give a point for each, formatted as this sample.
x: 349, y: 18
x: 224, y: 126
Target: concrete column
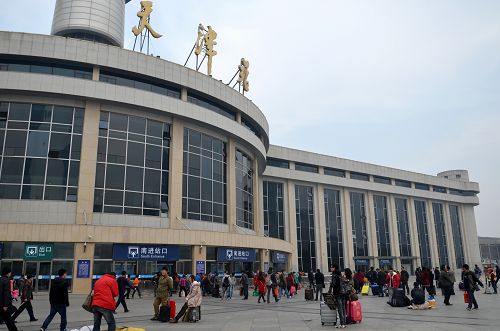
x: 347, y: 174
x: 393, y: 231
x: 370, y: 178
x: 292, y: 166
x: 320, y: 222
x: 231, y: 185
x: 175, y: 174
x: 264, y: 256
x: 321, y: 170
x: 449, y: 237
x: 238, y: 118
x: 393, y: 181
x: 95, y: 73
x: 432, y: 233
x: 184, y: 94
x: 85, y: 198
x: 371, y: 228
x: 294, y: 262
x: 83, y: 285
x: 465, y: 235
x: 347, y: 233
x: 257, y: 198
x: 196, y: 255
x: 412, y: 222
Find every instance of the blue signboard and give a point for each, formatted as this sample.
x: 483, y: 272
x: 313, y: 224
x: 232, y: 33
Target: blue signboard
x: 387, y: 261
x: 361, y: 262
x: 83, y: 270
x: 280, y: 257
x: 122, y: 252
x: 200, y: 267
x: 236, y: 254
x: 1, y: 250
x: 266, y: 267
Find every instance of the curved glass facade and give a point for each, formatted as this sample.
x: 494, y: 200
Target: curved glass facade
x: 403, y: 227
x: 333, y: 218
x: 40, y: 148
x: 274, y: 224
x: 132, y: 166
x: 244, y: 190
x: 204, y: 178
x: 304, y: 217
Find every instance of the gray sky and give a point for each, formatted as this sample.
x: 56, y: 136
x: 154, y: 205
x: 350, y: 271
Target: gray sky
x: 413, y: 85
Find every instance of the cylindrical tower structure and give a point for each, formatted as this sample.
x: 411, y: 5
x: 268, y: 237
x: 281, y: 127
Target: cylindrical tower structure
x: 101, y: 21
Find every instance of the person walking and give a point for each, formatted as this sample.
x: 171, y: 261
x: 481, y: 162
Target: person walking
x: 137, y: 280
x: 339, y: 298
x: 165, y: 286
x: 103, y: 303
x: 320, y: 283
x: 492, y: 278
x: 289, y: 284
x: 470, y: 281
x: 244, y: 284
x: 26, y: 297
x: 392, y: 283
x: 127, y: 289
x: 282, y: 284
x: 404, y: 280
x: 424, y: 277
x: 446, y: 281
x: 310, y: 276
x: 232, y: 282
x: 6, y: 306
x: 122, y: 284
x: 360, y: 278
x: 193, y: 299
x: 155, y: 284
x: 216, y: 282
x: 226, y: 285
x: 381, y: 281
x: 261, y: 286
x: 58, y: 299
x: 271, y: 285
x: 437, y: 277
x: 182, y: 286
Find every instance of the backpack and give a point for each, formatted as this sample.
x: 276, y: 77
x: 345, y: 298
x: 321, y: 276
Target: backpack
x: 225, y: 282
x: 356, y: 285
x: 345, y: 287
x: 205, y: 280
x: 268, y: 280
x: 282, y: 281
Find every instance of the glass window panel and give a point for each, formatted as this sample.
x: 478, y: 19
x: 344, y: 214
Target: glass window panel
x: 132, y: 211
x: 153, y: 156
x: 118, y: 122
x: 62, y: 115
x: 154, y: 141
x: 19, y: 111
x: 206, y: 142
x: 99, y: 175
x: 133, y: 199
x: 113, y: 198
x: 74, y: 173
x: 206, y: 189
x: 21, y: 67
x: 12, y: 169
x: 55, y: 193
x: 142, y: 86
x: 206, y: 168
x: 194, y: 164
x: 76, y: 147
x: 101, y: 149
x: 135, y: 137
x: 116, y: 151
x: 166, y: 159
x: 18, y: 125
x: 9, y: 192
x: 137, y: 125
x: 34, y: 171
x: 218, y: 192
x: 98, y: 200
x: 2, y: 136
x: 135, y: 154
x: 15, y: 143
x: 61, y: 128
x: 124, y: 82
x: 151, y: 201
x: 155, y: 129
x: 150, y: 212
x: 40, y: 126
x: 114, y: 210
x: 118, y: 134
x: 32, y: 192
x: 64, y: 72
x: 72, y: 194
x: 64, y: 251
x: 41, y: 69
x: 134, y: 179
x: 59, y: 145
x: 115, y: 176
x: 57, y: 172
x: 193, y: 187
x: 194, y: 138
x: 78, y: 124
x: 164, y: 183
x: 152, y: 181
x: 38, y: 143
x: 41, y: 113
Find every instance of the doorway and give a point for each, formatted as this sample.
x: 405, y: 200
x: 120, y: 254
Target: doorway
x: 41, y: 272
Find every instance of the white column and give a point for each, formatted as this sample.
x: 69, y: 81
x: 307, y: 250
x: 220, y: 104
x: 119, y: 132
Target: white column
x: 412, y: 222
x: 449, y: 236
x: 371, y: 229
x: 292, y: 221
x: 393, y: 232
x: 320, y: 229
x: 347, y: 233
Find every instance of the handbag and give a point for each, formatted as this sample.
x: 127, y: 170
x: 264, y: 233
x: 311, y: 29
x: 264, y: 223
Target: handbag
x: 87, y: 304
x: 466, y: 297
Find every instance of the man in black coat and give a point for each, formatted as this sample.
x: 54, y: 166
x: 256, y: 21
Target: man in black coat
x: 320, y: 282
x: 58, y: 298
x: 6, y: 299
x: 310, y: 276
x: 381, y: 280
x: 122, y: 285
x: 26, y: 297
x: 404, y: 280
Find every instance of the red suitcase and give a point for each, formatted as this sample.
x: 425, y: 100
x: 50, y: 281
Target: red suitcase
x: 353, y: 310
x: 172, y: 309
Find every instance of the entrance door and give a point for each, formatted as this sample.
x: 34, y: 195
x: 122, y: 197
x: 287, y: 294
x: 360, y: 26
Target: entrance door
x: 130, y: 267
x: 41, y: 271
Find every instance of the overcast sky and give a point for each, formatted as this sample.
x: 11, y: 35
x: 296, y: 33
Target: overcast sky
x: 413, y: 85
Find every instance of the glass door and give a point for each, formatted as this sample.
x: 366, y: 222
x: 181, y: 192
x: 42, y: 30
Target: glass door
x: 43, y: 277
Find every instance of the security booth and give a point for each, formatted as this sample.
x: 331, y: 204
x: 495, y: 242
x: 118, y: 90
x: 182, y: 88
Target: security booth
x: 385, y: 264
x: 279, y: 261
x: 362, y: 264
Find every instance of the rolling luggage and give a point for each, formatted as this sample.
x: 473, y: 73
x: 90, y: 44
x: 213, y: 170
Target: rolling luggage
x: 165, y: 313
x: 353, y: 312
x: 194, y: 314
x: 489, y: 289
x: 308, y: 294
x: 375, y: 290
x: 327, y: 315
x: 172, y: 310
x: 365, y: 290
x: 398, y: 297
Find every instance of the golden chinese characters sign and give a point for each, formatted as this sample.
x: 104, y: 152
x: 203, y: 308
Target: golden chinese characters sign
x: 207, y: 40
x: 243, y: 68
x: 143, y: 14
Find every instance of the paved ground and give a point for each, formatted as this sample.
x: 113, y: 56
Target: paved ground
x: 289, y: 314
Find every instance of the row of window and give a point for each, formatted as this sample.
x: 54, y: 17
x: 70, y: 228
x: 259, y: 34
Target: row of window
x: 364, y: 177
x: 46, y: 68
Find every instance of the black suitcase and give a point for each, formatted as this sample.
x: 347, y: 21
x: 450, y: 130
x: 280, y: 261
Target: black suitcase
x: 376, y: 290
x: 308, y: 293
x: 398, y: 298
x: 165, y: 313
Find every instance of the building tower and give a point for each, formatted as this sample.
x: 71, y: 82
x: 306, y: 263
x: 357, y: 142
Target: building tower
x: 101, y: 21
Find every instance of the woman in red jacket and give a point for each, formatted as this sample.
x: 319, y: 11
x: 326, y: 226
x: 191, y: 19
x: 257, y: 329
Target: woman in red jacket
x: 262, y: 286
x: 424, y: 277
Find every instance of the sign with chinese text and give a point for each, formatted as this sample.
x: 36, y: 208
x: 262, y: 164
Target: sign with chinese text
x: 83, y: 269
x: 122, y: 252
x: 236, y: 254
x: 386, y: 261
x: 280, y: 257
x: 361, y: 262
x: 38, y: 251
x: 200, y: 267
x: 266, y: 267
